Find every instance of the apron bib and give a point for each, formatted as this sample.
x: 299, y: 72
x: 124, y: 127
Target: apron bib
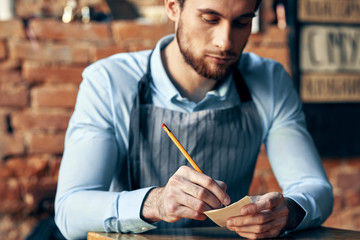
x: 223, y: 142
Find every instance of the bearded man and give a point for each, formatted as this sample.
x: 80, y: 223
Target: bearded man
x: 120, y: 172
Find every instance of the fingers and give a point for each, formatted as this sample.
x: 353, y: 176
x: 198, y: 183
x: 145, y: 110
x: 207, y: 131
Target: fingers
x: 173, y: 204
x: 188, y: 194
x: 261, y: 218
x: 264, y: 225
x: 210, y: 187
x: 264, y: 218
x: 268, y: 230
x: 175, y: 212
x: 221, y: 184
x: 264, y: 202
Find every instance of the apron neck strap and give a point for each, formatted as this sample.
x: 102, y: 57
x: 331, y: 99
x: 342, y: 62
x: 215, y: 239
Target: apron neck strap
x: 144, y: 84
x: 241, y: 87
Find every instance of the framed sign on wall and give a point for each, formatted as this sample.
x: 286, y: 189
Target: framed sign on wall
x: 325, y: 54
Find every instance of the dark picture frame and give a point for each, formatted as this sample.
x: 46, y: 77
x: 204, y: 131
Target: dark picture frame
x: 334, y: 125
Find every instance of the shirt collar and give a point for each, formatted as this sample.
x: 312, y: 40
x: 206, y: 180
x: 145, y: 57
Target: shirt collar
x: 163, y: 85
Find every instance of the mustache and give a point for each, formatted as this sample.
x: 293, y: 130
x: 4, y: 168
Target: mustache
x: 222, y: 53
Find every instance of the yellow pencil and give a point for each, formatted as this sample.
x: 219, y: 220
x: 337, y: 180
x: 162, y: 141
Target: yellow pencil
x: 181, y: 148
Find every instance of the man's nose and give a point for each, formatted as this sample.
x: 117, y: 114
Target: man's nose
x: 222, y: 38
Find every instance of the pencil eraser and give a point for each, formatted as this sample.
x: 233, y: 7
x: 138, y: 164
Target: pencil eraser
x: 163, y: 125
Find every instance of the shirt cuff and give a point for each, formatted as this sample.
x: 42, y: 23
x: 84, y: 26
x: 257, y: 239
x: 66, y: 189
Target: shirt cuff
x: 128, y: 213
x: 302, y: 202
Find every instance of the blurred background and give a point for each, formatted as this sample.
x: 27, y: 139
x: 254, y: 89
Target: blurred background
x: 45, y: 45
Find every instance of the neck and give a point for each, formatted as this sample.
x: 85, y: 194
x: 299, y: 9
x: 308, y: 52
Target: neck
x: 188, y: 82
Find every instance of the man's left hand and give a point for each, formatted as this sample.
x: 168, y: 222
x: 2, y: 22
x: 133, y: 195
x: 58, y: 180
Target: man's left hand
x: 266, y: 217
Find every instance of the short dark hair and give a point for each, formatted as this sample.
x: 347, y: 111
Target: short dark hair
x: 256, y: 6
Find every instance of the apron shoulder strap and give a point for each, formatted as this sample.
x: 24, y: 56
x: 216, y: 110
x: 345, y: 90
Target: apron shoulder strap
x: 143, y: 85
x: 241, y: 87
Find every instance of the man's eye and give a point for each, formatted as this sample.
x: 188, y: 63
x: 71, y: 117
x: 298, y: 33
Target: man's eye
x: 210, y: 19
x: 241, y: 23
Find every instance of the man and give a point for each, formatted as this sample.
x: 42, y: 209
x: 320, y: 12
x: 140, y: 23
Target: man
x: 120, y: 172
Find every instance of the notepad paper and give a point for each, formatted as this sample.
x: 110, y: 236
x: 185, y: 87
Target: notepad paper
x: 220, y: 216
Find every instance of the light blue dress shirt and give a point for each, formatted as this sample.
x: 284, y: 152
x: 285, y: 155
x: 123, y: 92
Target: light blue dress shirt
x: 88, y: 197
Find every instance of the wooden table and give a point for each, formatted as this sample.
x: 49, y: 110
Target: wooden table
x: 220, y: 234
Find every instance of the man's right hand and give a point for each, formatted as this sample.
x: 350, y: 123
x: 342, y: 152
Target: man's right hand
x: 187, y: 194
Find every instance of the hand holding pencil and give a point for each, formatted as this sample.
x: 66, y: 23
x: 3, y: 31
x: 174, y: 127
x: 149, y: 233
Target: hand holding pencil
x: 187, y: 194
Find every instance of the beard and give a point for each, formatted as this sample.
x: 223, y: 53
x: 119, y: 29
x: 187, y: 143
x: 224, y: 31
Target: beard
x: 218, y: 73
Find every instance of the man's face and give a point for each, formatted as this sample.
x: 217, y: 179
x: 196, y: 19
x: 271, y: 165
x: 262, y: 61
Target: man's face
x: 211, y: 34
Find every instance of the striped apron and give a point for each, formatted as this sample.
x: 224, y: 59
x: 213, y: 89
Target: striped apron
x: 223, y: 142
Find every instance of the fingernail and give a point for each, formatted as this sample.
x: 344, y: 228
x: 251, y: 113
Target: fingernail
x: 245, y: 211
x: 229, y: 223
x: 227, y: 201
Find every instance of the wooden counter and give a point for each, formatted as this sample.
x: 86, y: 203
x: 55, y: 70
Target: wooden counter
x: 220, y: 234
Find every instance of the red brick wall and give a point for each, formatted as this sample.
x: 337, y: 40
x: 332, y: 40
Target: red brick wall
x: 40, y: 71
x: 39, y: 81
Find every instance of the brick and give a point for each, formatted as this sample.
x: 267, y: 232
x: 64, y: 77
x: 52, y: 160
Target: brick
x: 9, y: 64
x: 140, y: 45
x: 256, y: 186
x: 5, y: 173
x: 51, y: 29
x: 9, y: 190
x: 11, y: 207
x: 103, y: 52
x: 263, y: 163
x: 352, y: 198
x: 54, y: 167
x: 271, y: 37
x: 280, y: 54
x: 33, y: 121
x: 34, y: 72
x: 147, y: 2
x: 3, y: 121
x: 346, y: 218
x: 36, y: 166
x: 14, y: 96
x: 132, y: 30
x: 12, y: 29
x: 46, y: 143
x: 24, y: 226
x: 50, y: 52
x: 16, y: 165
x: 338, y: 202
x: 62, y: 96
x: 276, y: 36
x: 354, y: 163
x: 2, y: 50
x: 30, y: 8
x: 330, y: 164
x: 44, y: 188
x: 28, y: 167
x: 349, y: 180
x: 11, y: 145
x: 271, y: 184
x: 10, y: 77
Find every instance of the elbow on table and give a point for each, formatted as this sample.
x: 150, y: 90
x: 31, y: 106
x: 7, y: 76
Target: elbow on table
x: 330, y: 199
x: 62, y: 222
x: 324, y: 206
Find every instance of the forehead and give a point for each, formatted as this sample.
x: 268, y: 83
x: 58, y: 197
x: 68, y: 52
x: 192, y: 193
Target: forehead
x: 229, y: 8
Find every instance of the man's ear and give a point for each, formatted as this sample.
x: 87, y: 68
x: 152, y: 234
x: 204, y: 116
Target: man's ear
x: 172, y: 8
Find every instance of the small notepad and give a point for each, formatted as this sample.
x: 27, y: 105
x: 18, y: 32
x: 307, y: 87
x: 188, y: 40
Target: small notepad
x: 220, y: 216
